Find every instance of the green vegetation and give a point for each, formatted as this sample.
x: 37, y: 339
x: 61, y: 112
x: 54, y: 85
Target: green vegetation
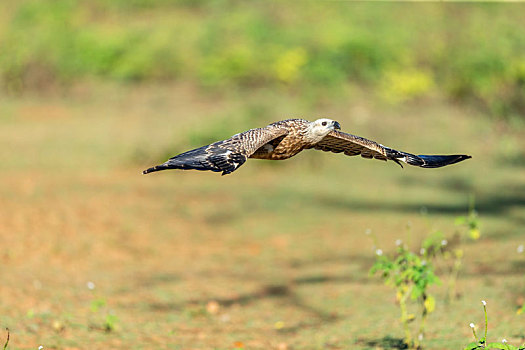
x: 410, y: 275
x: 464, y: 52
x: 482, y: 342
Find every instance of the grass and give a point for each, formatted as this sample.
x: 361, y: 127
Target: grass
x: 280, y: 247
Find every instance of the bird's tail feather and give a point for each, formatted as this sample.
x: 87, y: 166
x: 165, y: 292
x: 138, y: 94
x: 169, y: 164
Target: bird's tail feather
x: 181, y: 164
x: 194, y: 159
x: 211, y: 157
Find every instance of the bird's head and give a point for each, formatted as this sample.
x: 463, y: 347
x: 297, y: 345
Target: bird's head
x: 319, y: 128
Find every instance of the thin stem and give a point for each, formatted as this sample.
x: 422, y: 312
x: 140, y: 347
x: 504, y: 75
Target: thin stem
x: 404, y: 316
x: 471, y: 203
x: 474, y: 332
x: 486, y: 322
x: 424, y: 315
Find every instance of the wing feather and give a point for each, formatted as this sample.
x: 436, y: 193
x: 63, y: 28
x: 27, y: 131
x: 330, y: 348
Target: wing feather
x: 250, y: 141
x: 224, y: 156
x: 352, y: 145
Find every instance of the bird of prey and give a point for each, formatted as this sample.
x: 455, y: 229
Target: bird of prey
x: 284, y: 139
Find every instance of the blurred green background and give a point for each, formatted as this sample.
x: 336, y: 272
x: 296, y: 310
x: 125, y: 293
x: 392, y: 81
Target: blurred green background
x: 274, y: 256
x: 464, y: 52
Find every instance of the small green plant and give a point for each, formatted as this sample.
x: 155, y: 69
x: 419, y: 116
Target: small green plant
x: 109, y: 324
x: 470, y: 222
x: 481, y: 343
x: 7, y: 340
x: 410, y: 275
x: 97, y: 304
x: 521, y: 309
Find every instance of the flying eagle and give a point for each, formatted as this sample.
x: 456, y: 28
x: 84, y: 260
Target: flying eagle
x: 284, y: 139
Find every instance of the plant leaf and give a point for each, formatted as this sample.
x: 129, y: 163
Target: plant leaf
x: 474, y: 234
x: 500, y: 346
x: 460, y: 220
x: 430, y: 304
x: 472, y: 346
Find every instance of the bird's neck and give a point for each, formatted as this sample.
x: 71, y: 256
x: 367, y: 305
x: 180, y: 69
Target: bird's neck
x: 311, y: 136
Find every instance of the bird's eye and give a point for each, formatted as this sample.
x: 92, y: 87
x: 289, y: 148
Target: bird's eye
x: 323, y: 123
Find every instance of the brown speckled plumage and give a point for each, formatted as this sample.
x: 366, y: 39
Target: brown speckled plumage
x: 351, y: 145
x: 287, y: 145
x: 286, y: 138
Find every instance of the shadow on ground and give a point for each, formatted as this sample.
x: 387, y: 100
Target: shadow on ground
x: 492, y: 204
x: 265, y: 292
x: 386, y: 342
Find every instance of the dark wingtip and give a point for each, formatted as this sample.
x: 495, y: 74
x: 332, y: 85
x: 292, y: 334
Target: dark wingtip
x: 439, y: 161
x: 460, y: 158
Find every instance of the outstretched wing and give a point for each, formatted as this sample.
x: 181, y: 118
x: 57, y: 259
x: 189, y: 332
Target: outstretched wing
x: 224, y: 156
x: 351, y: 145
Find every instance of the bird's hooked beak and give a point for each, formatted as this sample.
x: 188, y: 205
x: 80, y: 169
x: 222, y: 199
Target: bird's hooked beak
x: 337, y: 125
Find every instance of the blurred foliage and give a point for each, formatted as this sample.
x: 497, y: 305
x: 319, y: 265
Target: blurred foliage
x: 471, y: 53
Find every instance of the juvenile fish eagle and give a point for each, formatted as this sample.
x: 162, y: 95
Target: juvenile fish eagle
x: 286, y: 138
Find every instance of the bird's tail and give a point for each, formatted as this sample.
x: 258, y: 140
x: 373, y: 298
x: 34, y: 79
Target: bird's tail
x: 194, y: 159
x: 425, y: 161
x: 211, y: 157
